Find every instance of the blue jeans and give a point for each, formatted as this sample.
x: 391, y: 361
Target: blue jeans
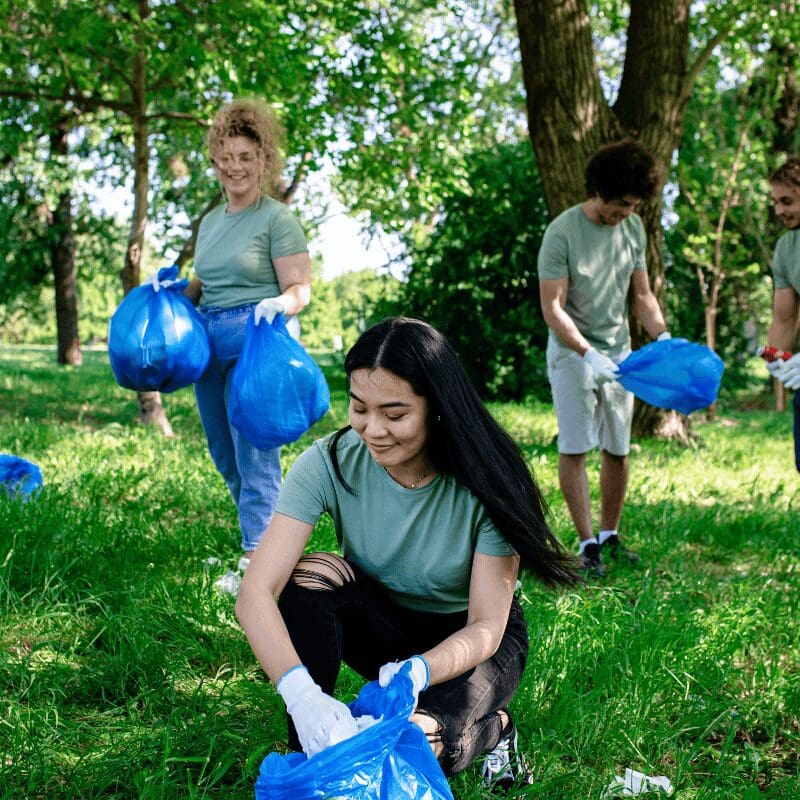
x: 359, y: 624
x: 253, y: 476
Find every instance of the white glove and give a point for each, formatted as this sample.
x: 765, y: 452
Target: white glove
x: 156, y: 284
x: 789, y: 372
x: 319, y: 719
x: 775, y: 366
x: 420, y: 674
x: 663, y: 335
x: 603, y: 368
x: 268, y: 309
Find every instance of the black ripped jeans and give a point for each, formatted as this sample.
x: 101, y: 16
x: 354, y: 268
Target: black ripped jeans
x: 358, y: 624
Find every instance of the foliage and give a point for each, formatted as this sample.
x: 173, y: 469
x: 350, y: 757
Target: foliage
x: 721, y: 240
x: 346, y: 306
x: 124, y: 675
x: 476, y: 277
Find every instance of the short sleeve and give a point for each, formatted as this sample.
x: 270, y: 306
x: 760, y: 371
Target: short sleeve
x: 553, y: 262
x: 490, y: 542
x: 639, y: 243
x: 286, y: 235
x: 780, y: 277
x: 307, y: 489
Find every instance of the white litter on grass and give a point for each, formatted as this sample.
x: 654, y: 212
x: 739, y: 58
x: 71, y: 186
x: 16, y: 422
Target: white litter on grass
x: 212, y: 561
x: 637, y: 783
x: 229, y: 583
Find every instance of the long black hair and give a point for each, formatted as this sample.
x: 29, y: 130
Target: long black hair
x: 464, y: 440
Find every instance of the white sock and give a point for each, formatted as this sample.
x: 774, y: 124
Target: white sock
x: 584, y: 543
x: 603, y: 535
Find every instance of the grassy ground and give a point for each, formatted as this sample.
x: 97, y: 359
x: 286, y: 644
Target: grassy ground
x: 124, y: 675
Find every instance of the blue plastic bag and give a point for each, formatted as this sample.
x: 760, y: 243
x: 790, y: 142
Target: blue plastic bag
x: 673, y: 373
x: 277, y: 391
x: 156, y: 340
x: 391, y: 760
x: 18, y: 476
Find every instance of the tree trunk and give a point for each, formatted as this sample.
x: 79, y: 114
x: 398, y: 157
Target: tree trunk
x: 569, y: 118
x: 62, y: 256
x: 151, y: 410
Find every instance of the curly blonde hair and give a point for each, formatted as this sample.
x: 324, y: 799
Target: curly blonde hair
x: 789, y: 172
x: 255, y: 120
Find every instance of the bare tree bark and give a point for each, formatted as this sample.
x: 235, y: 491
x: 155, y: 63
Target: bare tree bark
x: 62, y: 256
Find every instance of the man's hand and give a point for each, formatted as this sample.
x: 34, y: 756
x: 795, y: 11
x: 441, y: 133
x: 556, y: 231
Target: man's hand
x: 319, y: 719
x: 268, y: 309
x: 603, y: 368
x: 789, y: 372
x: 775, y: 359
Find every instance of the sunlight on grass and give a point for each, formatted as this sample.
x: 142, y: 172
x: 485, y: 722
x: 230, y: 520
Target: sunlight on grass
x: 125, y: 675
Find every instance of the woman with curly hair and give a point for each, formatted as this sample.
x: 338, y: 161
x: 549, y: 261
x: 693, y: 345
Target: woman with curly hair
x: 251, y: 257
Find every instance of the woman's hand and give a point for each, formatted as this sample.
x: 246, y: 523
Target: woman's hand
x: 320, y: 720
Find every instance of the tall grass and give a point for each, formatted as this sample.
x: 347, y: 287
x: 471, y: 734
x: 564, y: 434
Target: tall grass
x: 123, y: 674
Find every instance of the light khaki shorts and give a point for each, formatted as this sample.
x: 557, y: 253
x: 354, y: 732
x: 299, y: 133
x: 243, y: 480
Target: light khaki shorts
x: 587, y: 417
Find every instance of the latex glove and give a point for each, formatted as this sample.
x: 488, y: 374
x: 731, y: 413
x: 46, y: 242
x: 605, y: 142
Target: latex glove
x: 774, y: 365
x: 320, y: 720
x: 155, y: 283
x: 268, y: 309
x: 789, y: 372
x: 603, y: 368
x: 420, y: 674
x: 663, y: 335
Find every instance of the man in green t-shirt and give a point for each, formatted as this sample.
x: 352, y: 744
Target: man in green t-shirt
x: 785, y: 190
x: 592, y: 259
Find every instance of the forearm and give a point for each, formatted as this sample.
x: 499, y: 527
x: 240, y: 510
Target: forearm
x: 263, y: 625
x: 462, y: 650
x: 782, y: 333
x: 295, y: 298
x: 563, y: 326
x: 649, y: 314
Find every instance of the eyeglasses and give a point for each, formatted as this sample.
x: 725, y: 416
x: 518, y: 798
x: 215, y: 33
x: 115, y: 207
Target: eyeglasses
x: 230, y: 160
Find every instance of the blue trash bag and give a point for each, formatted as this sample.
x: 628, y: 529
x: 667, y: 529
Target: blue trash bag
x: 277, y: 391
x: 391, y: 760
x: 673, y: 373
x: 157, y: 341
x: 18, y: 476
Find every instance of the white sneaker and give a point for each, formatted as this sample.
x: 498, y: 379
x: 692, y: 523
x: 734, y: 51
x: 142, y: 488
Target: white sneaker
x: 229, y: 583
x: 504, y: 767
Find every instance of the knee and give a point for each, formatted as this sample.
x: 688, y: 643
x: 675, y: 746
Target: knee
x: 322, y: 572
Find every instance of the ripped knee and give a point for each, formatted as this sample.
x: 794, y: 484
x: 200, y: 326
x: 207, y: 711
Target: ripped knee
x: 322, y: 572
x: 431, y: 728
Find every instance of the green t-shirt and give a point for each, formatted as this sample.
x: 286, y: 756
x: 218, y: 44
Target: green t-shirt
x: 786, y: 261
x: 418, y: 543
x: 234, y: 252
x: 599, y: 261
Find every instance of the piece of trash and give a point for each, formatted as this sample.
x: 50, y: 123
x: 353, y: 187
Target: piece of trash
x: 637, y: 783
x: 212, y: 561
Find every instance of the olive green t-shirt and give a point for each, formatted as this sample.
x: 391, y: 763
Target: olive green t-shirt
x: 786, y: 261
x: 599, y: 261
x: 234, y: 252
x: 418, y: 543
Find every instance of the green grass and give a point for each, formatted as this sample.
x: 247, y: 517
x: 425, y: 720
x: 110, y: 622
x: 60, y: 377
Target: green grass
x: 124, y: 675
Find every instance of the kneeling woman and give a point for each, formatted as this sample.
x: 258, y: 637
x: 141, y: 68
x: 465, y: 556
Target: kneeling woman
x: 434, y: 508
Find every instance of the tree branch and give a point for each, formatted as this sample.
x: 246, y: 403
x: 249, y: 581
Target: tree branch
x: 699, y: 63
x: 81, y: 101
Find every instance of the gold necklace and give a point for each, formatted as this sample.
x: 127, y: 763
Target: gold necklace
x: 414, y: 483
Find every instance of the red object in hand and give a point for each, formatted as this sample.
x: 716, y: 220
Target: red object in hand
x: 770, y: 353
